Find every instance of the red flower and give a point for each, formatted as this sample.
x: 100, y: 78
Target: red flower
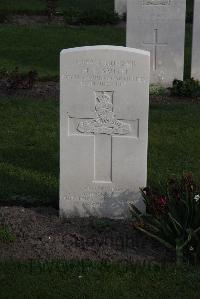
x: 160, y: 205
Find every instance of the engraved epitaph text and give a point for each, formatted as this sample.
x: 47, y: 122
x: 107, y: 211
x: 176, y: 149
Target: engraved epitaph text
x: 156, y: 2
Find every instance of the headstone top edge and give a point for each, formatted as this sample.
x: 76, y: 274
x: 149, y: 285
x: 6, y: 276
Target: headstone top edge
x: 104, y: 47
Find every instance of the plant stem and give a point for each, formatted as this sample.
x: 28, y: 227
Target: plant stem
x: 179, y: 254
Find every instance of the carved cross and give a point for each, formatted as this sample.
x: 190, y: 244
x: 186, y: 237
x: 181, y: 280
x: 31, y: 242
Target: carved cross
x: 155, y: 45
x: 104, y: 127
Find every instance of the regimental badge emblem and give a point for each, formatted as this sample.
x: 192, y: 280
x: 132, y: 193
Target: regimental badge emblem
x: 105, y: 121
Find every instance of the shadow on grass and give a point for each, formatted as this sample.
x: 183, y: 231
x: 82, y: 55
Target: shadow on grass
x: 22, y: 186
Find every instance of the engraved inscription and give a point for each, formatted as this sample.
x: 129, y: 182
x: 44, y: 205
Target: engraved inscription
x: 105, y: 121
x: 97, y: 195
x: 156, y: 2
x: 108, y: 73
x: 95, y: 192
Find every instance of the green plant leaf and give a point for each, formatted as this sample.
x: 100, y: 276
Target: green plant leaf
x: 178, y: 227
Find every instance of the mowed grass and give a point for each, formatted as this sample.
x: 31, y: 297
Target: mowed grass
x: 39, y: 47
x: 15, y: 6
x: 87, y: 280
x: 29, y: 148
x: 29, y: 151
x: 86, y: 4
x: 36, y: 6
x: 174, y: 141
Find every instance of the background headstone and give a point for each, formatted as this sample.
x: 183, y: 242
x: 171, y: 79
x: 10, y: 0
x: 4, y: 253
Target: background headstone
x: 103, y: 130
x: 120, y: 6
x: 195, y: 71
x: 159, y: 27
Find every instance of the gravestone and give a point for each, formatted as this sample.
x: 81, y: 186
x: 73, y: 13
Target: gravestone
x: 195, y: 70
x: 120, y: 6
x: 103, y: 130
x: 159, y: 27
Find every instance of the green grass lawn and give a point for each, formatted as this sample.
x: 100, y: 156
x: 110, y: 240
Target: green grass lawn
x: 35, y: 6
x: 15, y: 6
x: 86, y: 4
x: 39, y: 47
x: 173, y: 141
x: 85, y: 280
x: 29, y: 149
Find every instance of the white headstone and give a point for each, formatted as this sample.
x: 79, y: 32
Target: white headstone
x: 103, y: 130
x: 159, y: 27
x: 195, y: 71
x: 120, y: 6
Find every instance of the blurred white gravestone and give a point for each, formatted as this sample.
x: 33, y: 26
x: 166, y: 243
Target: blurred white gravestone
x: 159, y: 27
x: 195, y: 70
x: 120, y: 6
x: 103, y: 130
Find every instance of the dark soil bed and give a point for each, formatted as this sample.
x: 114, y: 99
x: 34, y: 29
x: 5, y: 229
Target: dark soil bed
x: 40, y: 89
x: 34, y: 20
x: 39, y: 233
x: 50, y: 89
x: 45, y: 20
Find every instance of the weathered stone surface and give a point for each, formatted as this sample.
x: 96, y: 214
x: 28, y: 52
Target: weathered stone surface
x: 103, y: 130
x: 195, y: 71
x: 159, y: 27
